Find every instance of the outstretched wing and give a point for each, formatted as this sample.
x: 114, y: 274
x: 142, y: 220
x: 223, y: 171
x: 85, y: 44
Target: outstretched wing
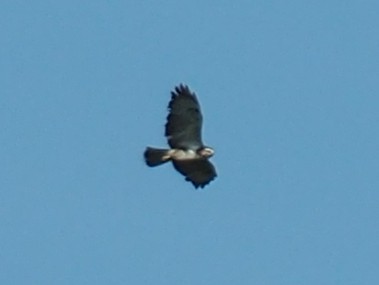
x: 198, y: 171
x: 183, y: 127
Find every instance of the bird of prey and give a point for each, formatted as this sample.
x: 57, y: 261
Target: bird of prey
x: 183, y: 131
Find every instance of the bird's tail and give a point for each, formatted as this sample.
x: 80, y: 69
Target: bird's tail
x: 156, y: 156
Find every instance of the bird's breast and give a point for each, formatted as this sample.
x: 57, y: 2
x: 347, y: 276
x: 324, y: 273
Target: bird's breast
x: 180, y: 154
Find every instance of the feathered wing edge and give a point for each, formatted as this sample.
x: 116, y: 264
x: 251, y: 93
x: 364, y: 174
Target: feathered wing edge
x: 199, y: 172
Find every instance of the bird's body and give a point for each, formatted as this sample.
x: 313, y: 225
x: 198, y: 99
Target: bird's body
x: 183, y: 131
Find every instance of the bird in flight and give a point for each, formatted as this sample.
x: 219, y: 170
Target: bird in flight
x: 187, y: 152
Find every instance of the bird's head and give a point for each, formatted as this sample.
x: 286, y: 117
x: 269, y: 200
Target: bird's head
x: 206, y: 152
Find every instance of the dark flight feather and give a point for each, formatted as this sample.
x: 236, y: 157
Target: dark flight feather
x: 184, y: 121
x: 198, y: 171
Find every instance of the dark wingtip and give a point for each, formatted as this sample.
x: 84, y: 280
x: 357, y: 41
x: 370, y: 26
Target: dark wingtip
x: 182, y: 89
x: 200, y: 185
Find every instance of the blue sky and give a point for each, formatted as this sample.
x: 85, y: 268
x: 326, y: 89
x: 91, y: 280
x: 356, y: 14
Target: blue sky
x: 289, y: 91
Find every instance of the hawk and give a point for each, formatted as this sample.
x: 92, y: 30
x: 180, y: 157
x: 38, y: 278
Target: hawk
x: 183, y: 132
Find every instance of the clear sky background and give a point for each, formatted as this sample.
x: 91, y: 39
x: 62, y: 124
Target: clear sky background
x: 290, y: 96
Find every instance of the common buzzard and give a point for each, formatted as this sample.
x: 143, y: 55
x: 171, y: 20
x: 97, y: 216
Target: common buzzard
x: 183, y: 131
